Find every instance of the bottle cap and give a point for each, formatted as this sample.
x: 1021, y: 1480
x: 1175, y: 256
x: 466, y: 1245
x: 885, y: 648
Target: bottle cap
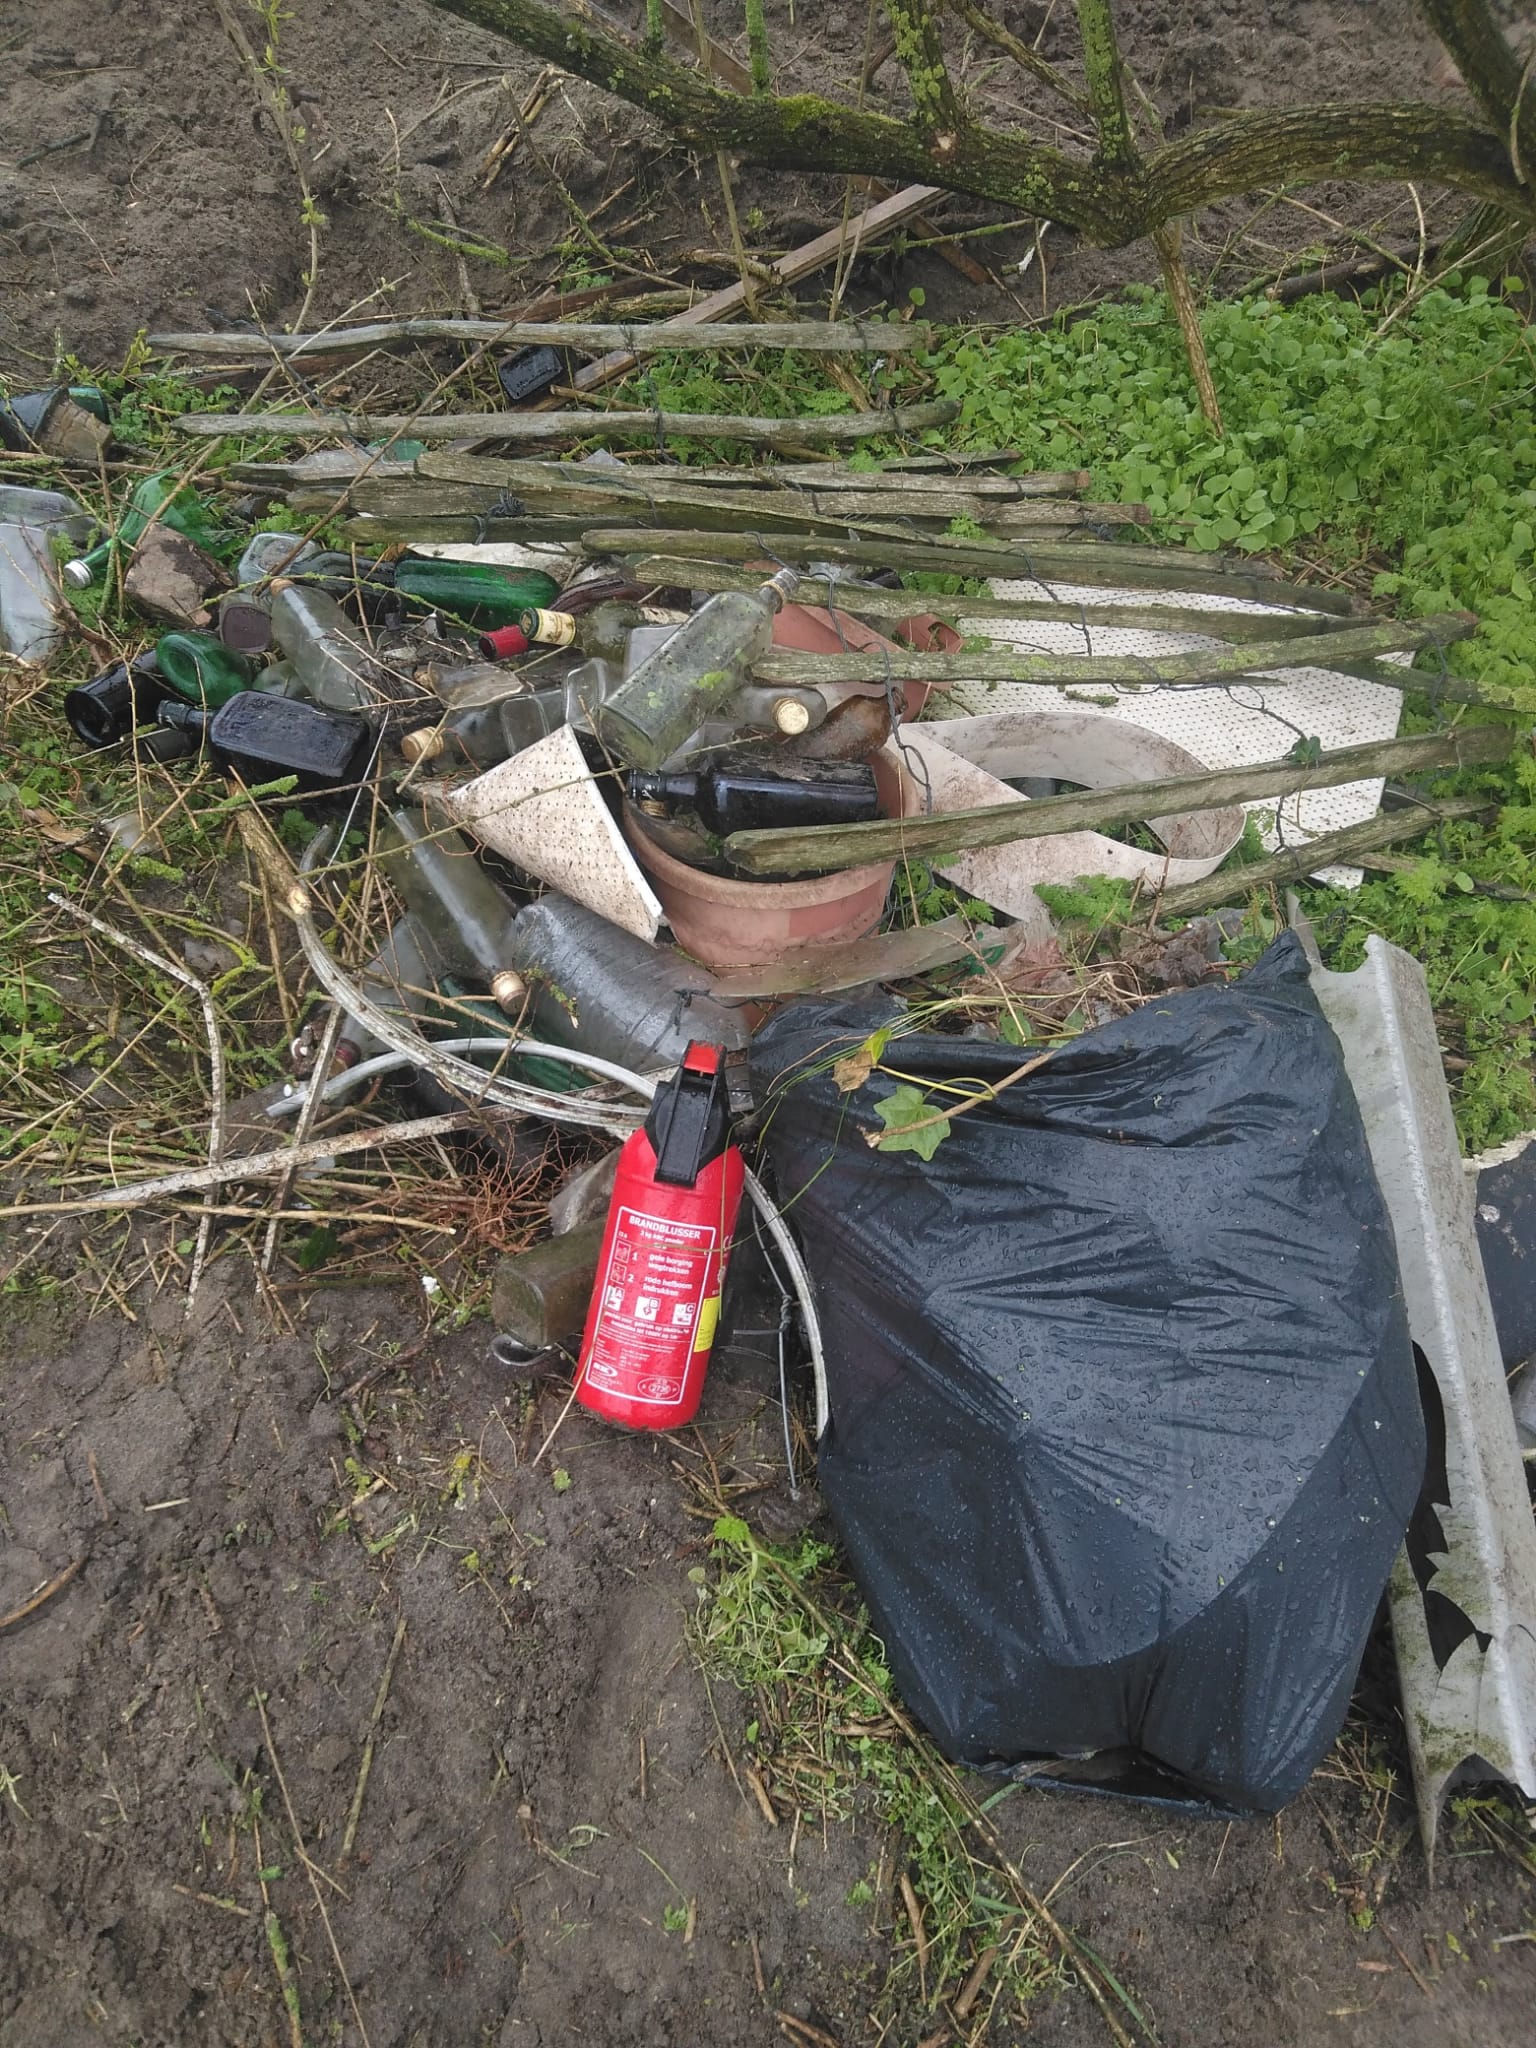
x: 790, y: 716
x: 425, y: 744
x: 78, y: 573
x: 505, y: 643
x: 551, y: 629
x: 509, y: 989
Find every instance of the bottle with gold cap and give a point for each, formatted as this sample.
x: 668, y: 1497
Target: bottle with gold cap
x: 603, y: 632
x: 480, y: 735
x: 467, y: 917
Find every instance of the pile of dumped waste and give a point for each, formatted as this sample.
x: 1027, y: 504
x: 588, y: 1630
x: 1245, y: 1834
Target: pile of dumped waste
x: 1110, y: 1277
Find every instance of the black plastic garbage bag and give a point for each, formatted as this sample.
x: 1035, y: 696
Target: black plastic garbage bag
x: 1124, y: 1425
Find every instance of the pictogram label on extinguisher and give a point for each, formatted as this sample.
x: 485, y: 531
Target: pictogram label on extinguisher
x: 656, y: 1289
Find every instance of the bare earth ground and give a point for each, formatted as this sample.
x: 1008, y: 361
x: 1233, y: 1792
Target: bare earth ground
x: 549, y: 1769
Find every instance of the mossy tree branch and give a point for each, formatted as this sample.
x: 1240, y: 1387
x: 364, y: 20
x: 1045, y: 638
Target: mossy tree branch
x: 920, y: 53
x: 1372, y: 141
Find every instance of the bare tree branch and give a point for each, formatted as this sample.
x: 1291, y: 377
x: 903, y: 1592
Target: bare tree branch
x: 804, y: 131
x: 1029, y: 60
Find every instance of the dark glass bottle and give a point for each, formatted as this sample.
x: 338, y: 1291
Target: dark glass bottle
x: 746, y: 792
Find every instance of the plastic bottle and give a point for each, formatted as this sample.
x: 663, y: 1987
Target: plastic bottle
x: 20, y: 505
x: 746, y: 792
x: 699, y: 670
x: 475, y: 593
x: 603, y: 991
x: 324, y: 647
x: 467, y: 917
x: 157, y: 497
x: 201, y: 670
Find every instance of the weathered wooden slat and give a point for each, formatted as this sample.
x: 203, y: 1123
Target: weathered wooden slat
x: 859, y: 233
x: 1097, y: 564
x: 585, y: 337
x: 670, y: 491
x: 866, y: 601
x: 1329, y: 849
x: 828, y: 429
x: 1116, y: 671
x: 820, y: 849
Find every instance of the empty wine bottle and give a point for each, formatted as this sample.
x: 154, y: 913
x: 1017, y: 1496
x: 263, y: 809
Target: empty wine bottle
x: 696, y: 674
x: 399, y: 980
x: 273, y: 554
x: 201, y: 670
x: 161, y: 497
x: 324, y: 647
x: 604, y: 631
x: 468, y: 917
x: 483, y: 734
x: 475, y: 593
x: 29, y: 521
x: 745, y: 792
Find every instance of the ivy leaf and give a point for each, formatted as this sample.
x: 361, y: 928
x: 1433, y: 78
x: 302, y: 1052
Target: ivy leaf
x: 899, y: 1113
x: 1307, y: 752
x: 321, y: 1244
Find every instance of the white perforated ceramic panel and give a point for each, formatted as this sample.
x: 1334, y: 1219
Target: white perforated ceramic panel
x: 1226, y: 725
x: 542, y: 810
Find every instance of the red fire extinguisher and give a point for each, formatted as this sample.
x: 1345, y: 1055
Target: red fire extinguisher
x: 657, y: 1299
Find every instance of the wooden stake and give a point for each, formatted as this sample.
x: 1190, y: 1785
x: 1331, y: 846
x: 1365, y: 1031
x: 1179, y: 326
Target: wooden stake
x: 829, y: 429
x: 1329, y: 849
x: 821, y: 849
x: 1112, y: 671
x: 584, y: 337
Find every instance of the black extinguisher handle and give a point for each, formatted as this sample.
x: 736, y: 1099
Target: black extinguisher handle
x: 690, y: 1119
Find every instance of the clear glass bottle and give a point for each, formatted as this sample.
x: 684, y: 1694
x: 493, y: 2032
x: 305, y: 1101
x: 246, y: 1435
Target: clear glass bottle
x: 483, y: 734
x: 324, y: 648
x: 273, y: 554
x: 468, y: 918
x: 603, y: 632
x: 695, y: 675
x: 29, y: 578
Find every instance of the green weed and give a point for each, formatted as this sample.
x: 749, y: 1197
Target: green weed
x: 830, y: 1740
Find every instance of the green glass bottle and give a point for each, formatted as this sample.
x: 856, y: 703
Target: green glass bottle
x: 201, y: 669
x: 476, y: 593
x: 176, y: 505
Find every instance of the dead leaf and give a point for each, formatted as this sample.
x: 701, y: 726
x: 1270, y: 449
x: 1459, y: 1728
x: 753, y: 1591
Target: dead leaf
x: 854, y: 1071
x: 54, y: 830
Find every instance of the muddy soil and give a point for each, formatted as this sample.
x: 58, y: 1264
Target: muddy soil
x: 553, y: 1842
x: 141, y: 185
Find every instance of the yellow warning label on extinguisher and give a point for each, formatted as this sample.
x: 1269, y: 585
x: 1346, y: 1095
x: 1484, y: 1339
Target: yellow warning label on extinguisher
x: 709, y: 1317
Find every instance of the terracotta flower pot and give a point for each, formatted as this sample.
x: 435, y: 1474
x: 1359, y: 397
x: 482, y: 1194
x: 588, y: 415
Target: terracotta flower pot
x: 724, y: 922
